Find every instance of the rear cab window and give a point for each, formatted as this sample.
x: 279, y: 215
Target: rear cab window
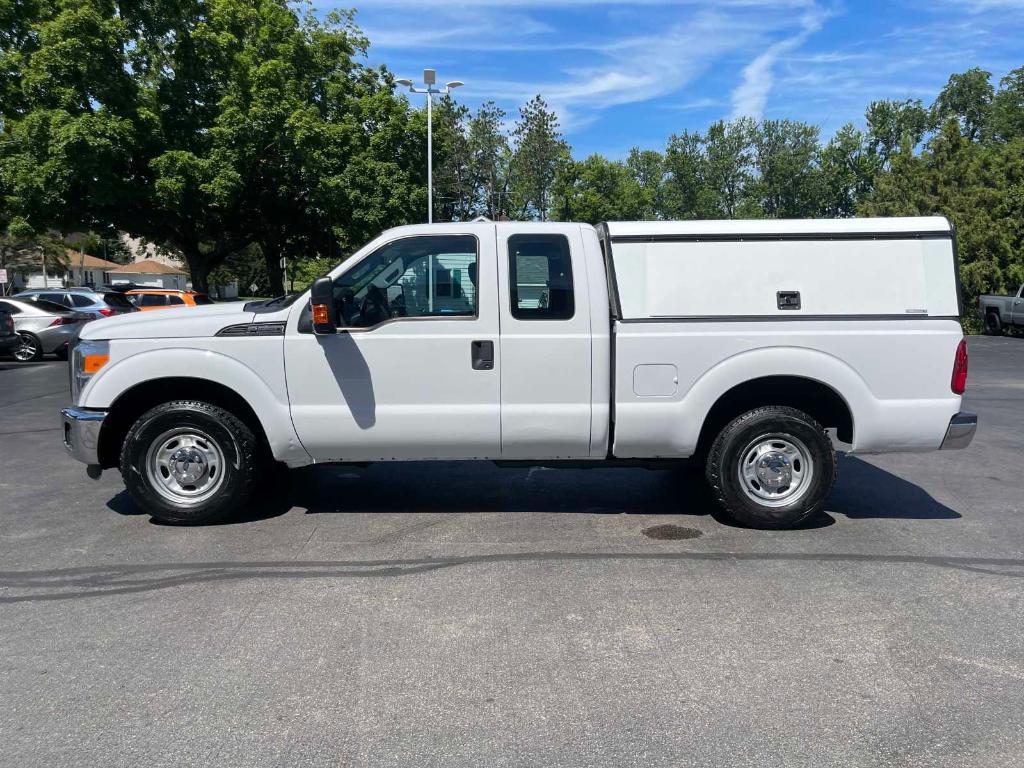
x: 540, y: 277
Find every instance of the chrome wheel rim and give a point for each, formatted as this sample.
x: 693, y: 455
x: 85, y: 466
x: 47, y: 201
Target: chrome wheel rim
x: 775, y: 470
x: 186, y: 466
x: 25, y: 350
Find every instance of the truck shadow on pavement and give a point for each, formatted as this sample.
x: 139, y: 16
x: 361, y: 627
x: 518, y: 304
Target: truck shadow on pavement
x: 862, y: 491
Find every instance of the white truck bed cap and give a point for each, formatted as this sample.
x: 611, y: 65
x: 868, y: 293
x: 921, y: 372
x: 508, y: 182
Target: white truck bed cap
x: 824, y: 227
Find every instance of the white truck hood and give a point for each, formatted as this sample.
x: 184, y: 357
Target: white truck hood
x: 178, y: 323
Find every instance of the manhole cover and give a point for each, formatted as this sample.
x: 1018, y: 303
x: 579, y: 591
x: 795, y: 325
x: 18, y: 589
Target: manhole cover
x: 669, y: 531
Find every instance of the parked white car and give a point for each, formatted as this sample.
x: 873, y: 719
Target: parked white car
x: 756, y: 347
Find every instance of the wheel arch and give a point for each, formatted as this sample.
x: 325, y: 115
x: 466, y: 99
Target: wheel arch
x: 135, y: 401
x: 166, y: 373
x: 819, y: 400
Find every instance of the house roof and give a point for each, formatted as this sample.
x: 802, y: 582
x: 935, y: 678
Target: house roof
x: 84, y: 260
x: 148, y: 267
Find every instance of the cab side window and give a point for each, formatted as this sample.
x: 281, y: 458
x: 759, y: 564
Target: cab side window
x: 153, y: 300
x: 426, y: 276
x: 540, y: 277
x: 175, y: 300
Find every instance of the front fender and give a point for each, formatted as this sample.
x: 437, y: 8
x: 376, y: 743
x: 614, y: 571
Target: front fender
x: 270, y: 407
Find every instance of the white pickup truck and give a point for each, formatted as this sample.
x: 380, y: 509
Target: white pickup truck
x: 756, y: 347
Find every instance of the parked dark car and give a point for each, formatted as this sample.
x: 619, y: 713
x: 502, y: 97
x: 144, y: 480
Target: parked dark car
x: 8, y: 336
x: 96, y: 303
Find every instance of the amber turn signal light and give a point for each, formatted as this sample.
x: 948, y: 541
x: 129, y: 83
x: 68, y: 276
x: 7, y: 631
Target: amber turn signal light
x: 320, y: 314
x: 92, y: 363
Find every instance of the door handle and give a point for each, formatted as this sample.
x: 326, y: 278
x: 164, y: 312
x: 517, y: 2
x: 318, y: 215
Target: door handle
x: 482, y: 353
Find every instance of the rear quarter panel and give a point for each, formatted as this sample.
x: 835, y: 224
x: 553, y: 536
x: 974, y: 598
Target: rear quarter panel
x: 893, y: 374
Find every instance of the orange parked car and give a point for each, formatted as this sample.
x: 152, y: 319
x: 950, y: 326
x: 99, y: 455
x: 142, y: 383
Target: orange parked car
x: 160, y: 298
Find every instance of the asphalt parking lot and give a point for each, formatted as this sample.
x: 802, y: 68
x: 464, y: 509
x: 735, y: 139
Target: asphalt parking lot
x: 465, y: 615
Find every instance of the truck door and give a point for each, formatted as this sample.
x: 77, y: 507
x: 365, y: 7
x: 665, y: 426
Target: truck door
x: 413, y: 373
x: 545, y: 342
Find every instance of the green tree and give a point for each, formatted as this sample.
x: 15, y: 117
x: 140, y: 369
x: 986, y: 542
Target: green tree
x: 203, y: 126
x: 892, y: 124
x: 848, y: 170
x: 489, y: 160
x: 455, y: 195
x: 789, y: 183
x: 686, y: 193
x: 647, y: 169
x: 24, y: 249
x: 1006, y: 117
x: 597, y: 189
x: 729, y: 170
x: 539, y: 149
x: 967, y: 98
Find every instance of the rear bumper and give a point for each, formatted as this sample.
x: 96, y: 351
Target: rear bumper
x: 960, y: 431
x: 58, y: 337
x: 81, y: 430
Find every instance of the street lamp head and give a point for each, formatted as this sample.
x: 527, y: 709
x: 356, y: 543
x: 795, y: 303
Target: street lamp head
x: 404, y: 81
x: 429, y: 76
x: 454, y: 84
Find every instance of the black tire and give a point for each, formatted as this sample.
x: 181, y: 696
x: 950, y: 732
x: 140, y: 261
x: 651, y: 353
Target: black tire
x: 29, y: 350
x: 229, y: 486
x: 772, y: 427
x: 993, y: 324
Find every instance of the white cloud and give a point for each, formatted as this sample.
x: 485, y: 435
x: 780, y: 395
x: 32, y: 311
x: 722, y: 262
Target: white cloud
x: 750, y: 96
x: 981, y: 6
x: 627, y: 69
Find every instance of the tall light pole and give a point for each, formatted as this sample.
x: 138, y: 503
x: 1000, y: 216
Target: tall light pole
x: 429, y: 80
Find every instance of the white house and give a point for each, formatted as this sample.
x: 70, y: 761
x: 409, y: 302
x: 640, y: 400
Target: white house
x: 86, y: 270
x: 83, y: 270
x: 151, y: 274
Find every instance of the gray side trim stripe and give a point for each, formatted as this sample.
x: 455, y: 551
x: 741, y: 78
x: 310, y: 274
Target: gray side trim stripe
x: 781, y: 318
x: 781, y: 236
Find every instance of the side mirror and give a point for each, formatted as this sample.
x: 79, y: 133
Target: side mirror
x: 321, y: 302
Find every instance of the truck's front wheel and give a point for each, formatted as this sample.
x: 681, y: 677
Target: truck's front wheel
x: 187, y: 462
x: 772, y: 467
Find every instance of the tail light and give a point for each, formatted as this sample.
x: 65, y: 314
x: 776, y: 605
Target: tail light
x: 64, y: 321
x: 959, y: 381
x: 107, y: 312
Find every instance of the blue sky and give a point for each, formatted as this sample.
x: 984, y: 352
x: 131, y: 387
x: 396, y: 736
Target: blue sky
x: 630, y: 74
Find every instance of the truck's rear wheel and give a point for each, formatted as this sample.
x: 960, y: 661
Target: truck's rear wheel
x: 993, y: 324
x: 772, y: 467
x: 188, y: 463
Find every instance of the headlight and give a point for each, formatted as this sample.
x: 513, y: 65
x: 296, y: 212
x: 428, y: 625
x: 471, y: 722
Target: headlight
x: 87, y: 358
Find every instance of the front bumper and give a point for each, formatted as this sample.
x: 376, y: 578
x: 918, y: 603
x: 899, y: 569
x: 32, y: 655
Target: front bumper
x: 960, y: 431
x: 8, y: 343
x: 81, y: 429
